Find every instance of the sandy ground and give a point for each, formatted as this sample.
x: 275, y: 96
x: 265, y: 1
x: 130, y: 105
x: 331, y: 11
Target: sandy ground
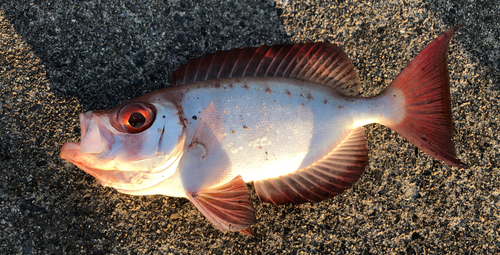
x: 62, y: 57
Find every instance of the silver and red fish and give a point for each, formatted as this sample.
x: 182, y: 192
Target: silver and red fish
x: 284, y: 117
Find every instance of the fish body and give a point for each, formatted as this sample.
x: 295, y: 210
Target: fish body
x: 269, y: 132
x: 283, y: 117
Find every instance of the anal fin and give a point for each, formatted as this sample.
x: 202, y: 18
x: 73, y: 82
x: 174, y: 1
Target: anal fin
x: 229, y: 206
x: 328, y: 177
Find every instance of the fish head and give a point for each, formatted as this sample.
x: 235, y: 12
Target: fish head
x: 130, y: 147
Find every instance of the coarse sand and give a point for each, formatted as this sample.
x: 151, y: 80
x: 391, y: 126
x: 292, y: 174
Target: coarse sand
x: 61, y: 57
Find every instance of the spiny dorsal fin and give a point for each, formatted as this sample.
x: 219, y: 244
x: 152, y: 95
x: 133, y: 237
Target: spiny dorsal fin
x: 320, y: 62
x: 325, y: 179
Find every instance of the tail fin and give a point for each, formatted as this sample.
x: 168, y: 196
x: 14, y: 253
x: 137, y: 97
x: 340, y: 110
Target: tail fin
x: 425, y: 84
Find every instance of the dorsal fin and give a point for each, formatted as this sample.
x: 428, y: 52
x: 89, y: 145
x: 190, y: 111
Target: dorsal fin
x: 320, y: 62
x: 325, y: 179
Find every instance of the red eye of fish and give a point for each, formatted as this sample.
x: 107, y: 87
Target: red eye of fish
x: 136, y: 117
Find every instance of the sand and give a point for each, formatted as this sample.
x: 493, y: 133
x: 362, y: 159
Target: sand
x: 61, y: 57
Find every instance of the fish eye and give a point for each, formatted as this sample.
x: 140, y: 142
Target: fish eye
x: 136, y: 120
x: 136, y: 117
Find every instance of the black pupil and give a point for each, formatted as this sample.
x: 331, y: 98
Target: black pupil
x: 136, y: 120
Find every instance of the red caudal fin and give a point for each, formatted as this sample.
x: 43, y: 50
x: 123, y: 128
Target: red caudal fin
x: 425, y: 84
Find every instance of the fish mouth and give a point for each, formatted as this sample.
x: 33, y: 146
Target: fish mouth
x: 72, y: 152
x: 109, y: 175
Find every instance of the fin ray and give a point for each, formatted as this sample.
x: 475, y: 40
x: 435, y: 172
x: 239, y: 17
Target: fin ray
x: 325, y: 179
x: 228, y: 206
x: 321, y: 62
x: 209, y: 133
x: 425, y: 84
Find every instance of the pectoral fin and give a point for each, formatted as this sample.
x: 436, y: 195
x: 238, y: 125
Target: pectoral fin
x: 228, y: 206
x: 209, y: 133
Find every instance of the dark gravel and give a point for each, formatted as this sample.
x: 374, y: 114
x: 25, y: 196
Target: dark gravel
x: 62, y: 57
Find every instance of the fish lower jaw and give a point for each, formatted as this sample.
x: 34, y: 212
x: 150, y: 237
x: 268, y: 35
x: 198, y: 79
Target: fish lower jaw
x: 128, y: 176
x: 68, y: 150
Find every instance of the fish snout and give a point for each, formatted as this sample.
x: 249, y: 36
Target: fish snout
x: 69, y: 151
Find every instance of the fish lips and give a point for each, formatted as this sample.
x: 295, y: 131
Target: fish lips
x: 108, y: 177
x: 72, y: 152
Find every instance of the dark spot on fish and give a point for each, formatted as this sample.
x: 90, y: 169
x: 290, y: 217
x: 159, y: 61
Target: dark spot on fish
x: 288, y: 93
x: 232, y: 132
x: 309, y: 96
x: 245, y: 127
x: 245, y: 86
x: 268, y: 90
x: 266, y: 152
x: 325, y: 101
x: 394, y: 95
x: 300, y: 95
x: 163, y: 116
x: 340, y: 106
x: 194, y: 117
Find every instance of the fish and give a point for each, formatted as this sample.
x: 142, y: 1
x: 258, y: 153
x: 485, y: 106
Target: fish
x: 288, y: 118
